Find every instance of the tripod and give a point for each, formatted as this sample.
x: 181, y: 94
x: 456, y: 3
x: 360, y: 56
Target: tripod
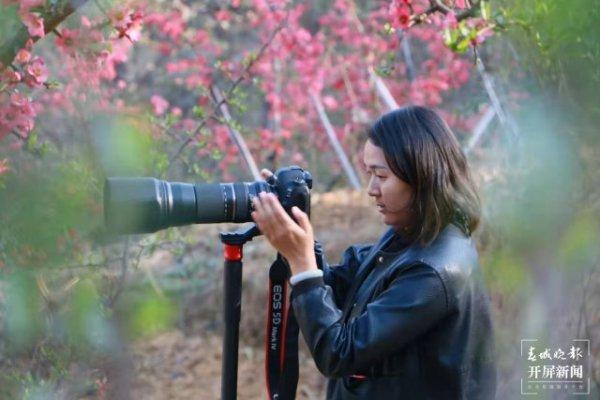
x: 281, y: 358
x: 234, y: 242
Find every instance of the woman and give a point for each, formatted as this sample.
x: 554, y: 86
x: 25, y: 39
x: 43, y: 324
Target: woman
x: 407, y: 317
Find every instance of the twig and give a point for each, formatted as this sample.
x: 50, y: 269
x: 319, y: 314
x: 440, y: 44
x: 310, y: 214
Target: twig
x: 438, y: 6
x: 479, y: 129
x: 442, y: 7
x: 120, y: 283
x: 383, y: 90
x: 411, y: 70
x: 19, y: 37
x: 347, y: 166
x: 235, y: 134
x: 34, y: 152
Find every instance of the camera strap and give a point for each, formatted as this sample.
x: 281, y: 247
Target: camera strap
x: 281, y: 359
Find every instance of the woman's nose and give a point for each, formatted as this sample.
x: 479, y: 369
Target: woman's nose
x: 372, y: 189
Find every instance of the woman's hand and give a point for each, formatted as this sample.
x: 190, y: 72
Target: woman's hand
x: 294, y: 240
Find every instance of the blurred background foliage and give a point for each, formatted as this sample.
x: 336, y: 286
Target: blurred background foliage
x: 73, y: 298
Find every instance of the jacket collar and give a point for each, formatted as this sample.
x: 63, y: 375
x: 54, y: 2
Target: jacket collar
x: 383, y: 241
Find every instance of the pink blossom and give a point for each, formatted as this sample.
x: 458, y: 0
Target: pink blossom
x: 19, y: 100
x: 120, y: 18
x: 132, y: 29
x: 400, y: 14
x: 26, y: 5
x: 134, y: 32
x: 460, y: 4
x: 450, y: 21
x: 37, y: 73
x: 330, y: 102
x: 67, y: 39
x: 223, y: 15
x: 23, y: 56
x: 159, y: 104
x: 482, y: 35
x: 265, y: 135
x: 85, y: 22
x: 4, y: 168
x: 201, y: 36
x: 34, y: 24
x: 18, y: 115
x: 171, y: 25
x: 297, y: 158
x: 286, y: 134
x: 10, y: 76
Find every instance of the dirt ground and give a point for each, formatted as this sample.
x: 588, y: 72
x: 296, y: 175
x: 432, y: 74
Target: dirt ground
x: 173, y: 366
x: 186, y: 365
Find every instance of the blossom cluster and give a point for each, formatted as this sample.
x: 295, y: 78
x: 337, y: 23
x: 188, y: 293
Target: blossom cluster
x: 333, y: 60
x: 17, y: 112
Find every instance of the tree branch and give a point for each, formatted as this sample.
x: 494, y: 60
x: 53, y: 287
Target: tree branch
x: 439, y: 6
x: 15, y: 33
x: 231, y: 89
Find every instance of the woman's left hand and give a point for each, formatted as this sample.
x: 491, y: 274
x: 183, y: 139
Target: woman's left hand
x: 294, y: 240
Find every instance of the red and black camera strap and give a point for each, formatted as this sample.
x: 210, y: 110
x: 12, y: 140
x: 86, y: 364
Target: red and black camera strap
x: 281, y: 359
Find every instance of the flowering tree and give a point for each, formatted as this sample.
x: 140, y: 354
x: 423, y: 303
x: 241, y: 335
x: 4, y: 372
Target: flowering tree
x: 331, y: 58
x: 90, y: 89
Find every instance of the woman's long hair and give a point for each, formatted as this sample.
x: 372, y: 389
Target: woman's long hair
x: 421, y: 150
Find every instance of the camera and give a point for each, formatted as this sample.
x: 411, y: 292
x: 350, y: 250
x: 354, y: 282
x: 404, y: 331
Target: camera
x: 144, y: 205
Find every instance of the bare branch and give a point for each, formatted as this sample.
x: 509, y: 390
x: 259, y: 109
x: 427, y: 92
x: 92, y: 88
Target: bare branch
x: 439, y: 6
x: 121, y: 280
x: 235, y: 135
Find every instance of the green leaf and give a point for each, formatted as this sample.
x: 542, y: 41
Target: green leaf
x: 151, y: 315
x: 198, y: 112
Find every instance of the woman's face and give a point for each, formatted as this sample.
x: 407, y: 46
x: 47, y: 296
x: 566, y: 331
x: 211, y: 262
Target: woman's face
x: 392, y: 195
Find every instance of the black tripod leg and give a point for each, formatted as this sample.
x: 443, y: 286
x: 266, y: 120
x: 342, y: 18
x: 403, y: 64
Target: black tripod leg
x: 232, y: 310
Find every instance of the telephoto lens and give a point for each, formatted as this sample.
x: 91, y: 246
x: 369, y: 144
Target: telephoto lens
x: 144, y: 205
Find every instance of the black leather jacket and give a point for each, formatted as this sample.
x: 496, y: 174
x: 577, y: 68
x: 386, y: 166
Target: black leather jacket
x: 418, y: 326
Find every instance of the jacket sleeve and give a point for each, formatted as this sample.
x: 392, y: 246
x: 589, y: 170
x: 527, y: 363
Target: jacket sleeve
x: 340, y: 277
x: 412, y: 303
